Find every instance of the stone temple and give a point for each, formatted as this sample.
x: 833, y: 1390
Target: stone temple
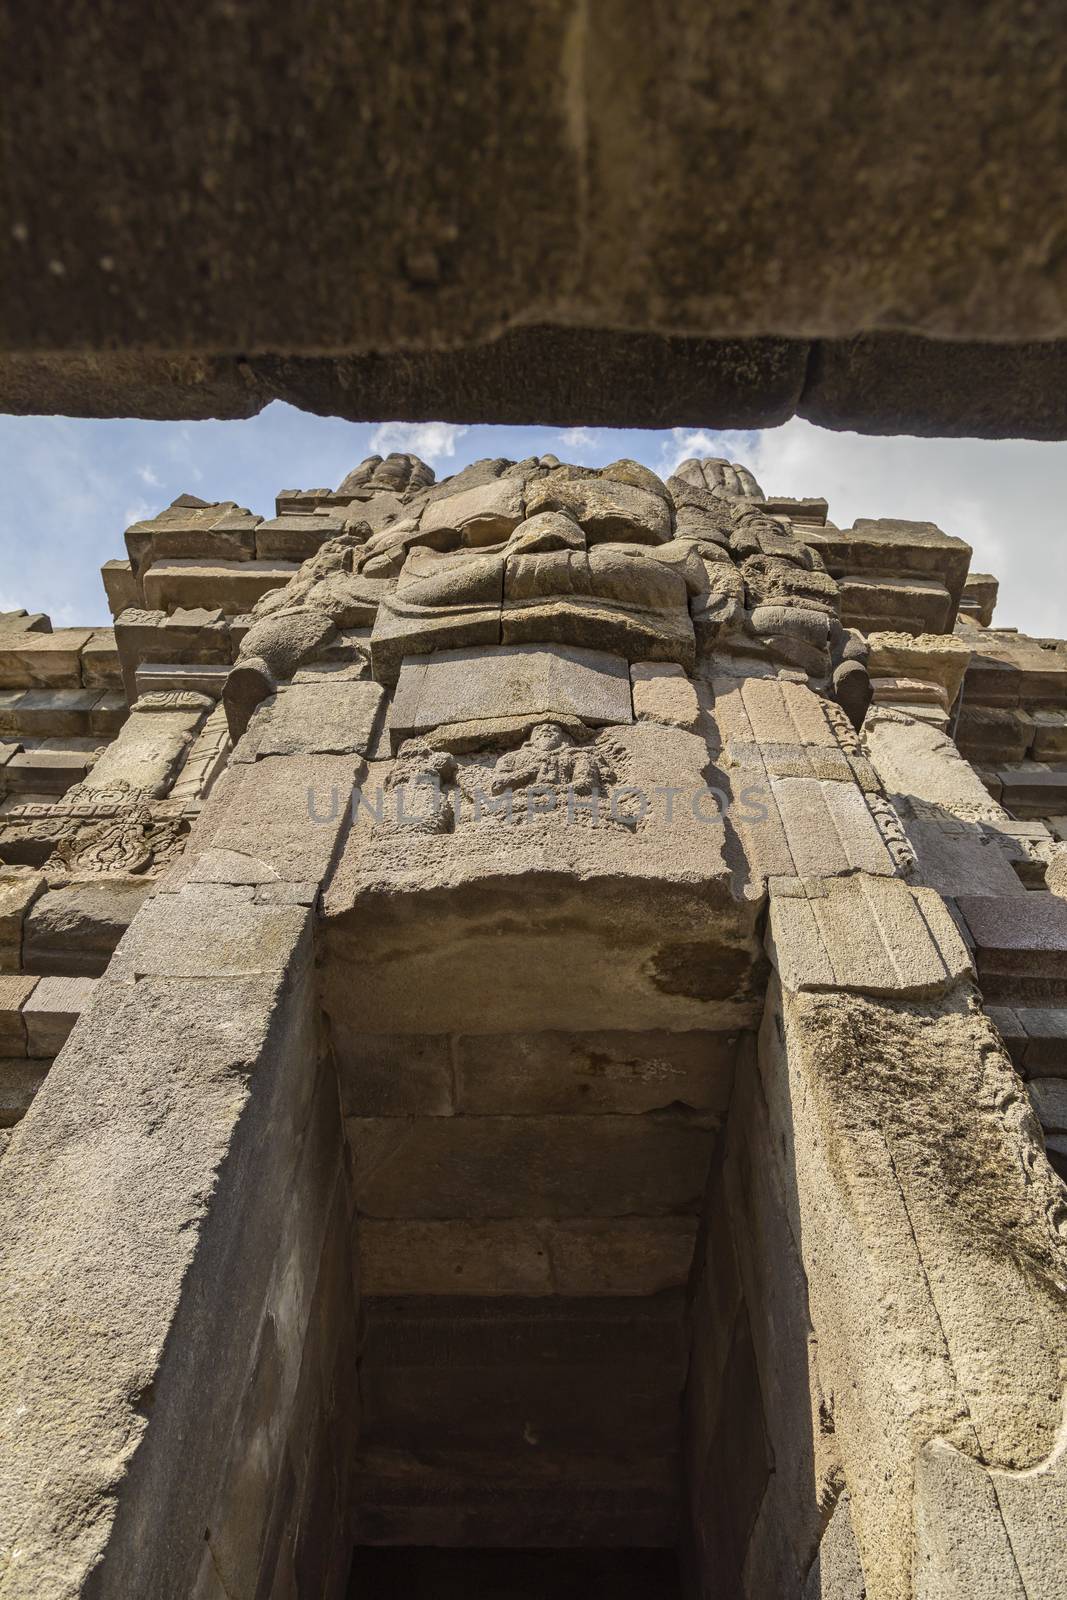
x: 534, y: 1034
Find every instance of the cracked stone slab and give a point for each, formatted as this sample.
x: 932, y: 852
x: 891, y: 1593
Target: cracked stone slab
x: 528, y: 682
x: 864, y: 934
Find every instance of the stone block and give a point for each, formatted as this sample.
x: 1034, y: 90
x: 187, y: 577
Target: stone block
x: 1050, y: 736
x: 330, y: 718
x: 908, y: 691
x: 73, y: 931
x: 934, y: 715
x: 1049, y: 1099
x: 542, y: 1073
x: 9, y: 701
x: 151, y: 745
x: 915, y: 759
x: 991, y: 681
x: 45, y: 772
x: 527, y: 1166
x: 828, y: 827
x: 994, y: 734
x: 607, y: 509
x: 45, y: 713
x: 1020, y: 945
x: 597, y: 925
x: 51, y: 1011
x: 120, y: 586
x: 912, y: 605
x: 591, y: 1375
x: 393, y: 1075
x: 523, y: 684
x: 295, y: 536
x: 1033, y: 789
x: 893, y: 546
x: 108, y: 713
x: 14, y: 992
x: 981, y: 590
x: 207, y: 930
x: 21, y: 621
x: 101, y: 667
x: 864, y: 934
x: 398, y: 633
x: 663, y: 693
x: 500, y: 1257
x: 1044, y: 1030
x: 483, y: 515
x: 277, y: 821
x: 957, y: 857
x: 620, y: 1255
x: 189, y: 677
x: 42, y: 660
x: 20, y: 1080
x: 536, y: 1501
x: 19, y: 888
x: 221, y: 531
x: 234, y: 586
x: 583, y: 1256
x: 770, y: 711
x: 1011, y: 1029
x: 934, y: 658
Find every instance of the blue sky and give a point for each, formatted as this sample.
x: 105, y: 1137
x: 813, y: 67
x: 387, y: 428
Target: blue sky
x: 70, y: 487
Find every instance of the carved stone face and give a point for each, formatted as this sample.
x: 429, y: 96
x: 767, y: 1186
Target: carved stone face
x: 546, y: 583
x: 547, y: 737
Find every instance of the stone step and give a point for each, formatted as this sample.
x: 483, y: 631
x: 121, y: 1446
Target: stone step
x: 43, y: 660
x: 912, y: 605
x: 234, y: 586
x: 294, y: 536
x: 1035, y: 1037
x: 37, y: 1013
x: 597, y: 1376
x: 997, y: 735
x: 1048, y: 1097
x: 1033, y: 788
x: 101, y: 668
x: 20, y: 1080
x: 73, y: 931
x: 219, y: 531
x: 198, y: 676
x: 529, y: 1500
x: 44, y: 771
x: 531, y: 1256
x: 1020, y: 947
x: 473, y: 1168
x: 47, y: 713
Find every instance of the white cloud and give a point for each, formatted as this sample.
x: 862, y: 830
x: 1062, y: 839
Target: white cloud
x: 686, y: 442
x: 137, y: 511
x: 1007, y: 498
x: 432, y: 441
x: 578, y: 438
x: 146, y: 475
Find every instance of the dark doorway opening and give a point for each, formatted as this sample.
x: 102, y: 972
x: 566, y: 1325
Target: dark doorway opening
x: 431, y: 1574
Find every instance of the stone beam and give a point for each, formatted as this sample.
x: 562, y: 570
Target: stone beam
x: 518, y: 216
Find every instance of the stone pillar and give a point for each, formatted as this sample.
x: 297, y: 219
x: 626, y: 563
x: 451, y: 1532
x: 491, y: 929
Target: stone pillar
x: 178, y: 1390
